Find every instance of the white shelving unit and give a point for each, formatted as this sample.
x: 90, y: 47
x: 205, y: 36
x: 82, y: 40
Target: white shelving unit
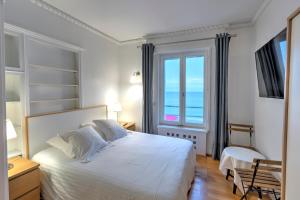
x: 42, y: 76
x: 14, y: 86
x: 53, y: 75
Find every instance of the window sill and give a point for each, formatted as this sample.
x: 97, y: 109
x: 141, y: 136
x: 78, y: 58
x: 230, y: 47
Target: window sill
x: 202, y: 130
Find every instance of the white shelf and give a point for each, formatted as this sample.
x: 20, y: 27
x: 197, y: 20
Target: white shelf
x: 53, y: 85
x: 12, y: 68
x: 13, y: 71
x: 46, y: 67
x: 53, y: 100
x: 14, y: 153
x: 12, y: 101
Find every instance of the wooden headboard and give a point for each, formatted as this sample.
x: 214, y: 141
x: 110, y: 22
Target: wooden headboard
x: 40, y: 128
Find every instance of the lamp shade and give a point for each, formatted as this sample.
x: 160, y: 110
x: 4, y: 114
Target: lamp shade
x: 10, y: 130
x: 116, y: 107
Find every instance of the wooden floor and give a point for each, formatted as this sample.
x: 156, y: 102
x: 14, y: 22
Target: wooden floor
x: 210, y: 184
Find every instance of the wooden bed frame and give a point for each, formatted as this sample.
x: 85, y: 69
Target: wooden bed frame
x: 57, y: 122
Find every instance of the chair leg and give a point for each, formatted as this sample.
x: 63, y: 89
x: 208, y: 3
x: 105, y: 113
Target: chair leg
x: 228, y: 174
x: 277, y: 198
x: 259, y: 192
x: 234, y: 188
x: 245, y: 195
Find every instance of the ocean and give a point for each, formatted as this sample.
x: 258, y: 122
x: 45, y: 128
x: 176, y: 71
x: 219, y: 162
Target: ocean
x: 194, y: 106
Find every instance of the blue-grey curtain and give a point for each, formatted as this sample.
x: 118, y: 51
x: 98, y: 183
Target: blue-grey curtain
x: 221, y: 133
x: 147, y: 77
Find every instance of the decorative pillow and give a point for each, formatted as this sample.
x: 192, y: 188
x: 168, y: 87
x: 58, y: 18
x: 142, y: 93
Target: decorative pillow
x: 86, y: 142
x: 95, y: 127
x: 111, y: 129
x: 59, y: 143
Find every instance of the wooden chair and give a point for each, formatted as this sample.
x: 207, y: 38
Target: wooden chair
x: 260, y: 178
x: 240, y: 128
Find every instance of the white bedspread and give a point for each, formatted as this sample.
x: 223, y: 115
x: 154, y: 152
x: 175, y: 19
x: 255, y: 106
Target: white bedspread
x: 136, y: 167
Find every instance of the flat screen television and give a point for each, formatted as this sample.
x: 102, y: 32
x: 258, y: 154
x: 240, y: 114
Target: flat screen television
x: 270, y: 67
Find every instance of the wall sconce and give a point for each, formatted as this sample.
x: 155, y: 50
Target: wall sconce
x: 136, y: 77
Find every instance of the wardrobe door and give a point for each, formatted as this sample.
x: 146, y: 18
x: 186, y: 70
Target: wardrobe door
x: 291, y: 148
x: 3, y: 156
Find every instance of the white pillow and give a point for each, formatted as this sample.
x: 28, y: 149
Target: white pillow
x: 86, y: 142
x: 111, y: 129
x: 59, y: 143
x: 95, y: 127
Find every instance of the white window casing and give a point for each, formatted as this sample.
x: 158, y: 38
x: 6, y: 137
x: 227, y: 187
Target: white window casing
x: 206, y: 53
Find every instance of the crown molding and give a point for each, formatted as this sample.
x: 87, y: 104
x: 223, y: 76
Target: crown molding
x: 133, y: 41
x: 187, y: 31
x: 202, y: 29
x: 261, y: 9
x: 66, y: 16
x: 241, y: 25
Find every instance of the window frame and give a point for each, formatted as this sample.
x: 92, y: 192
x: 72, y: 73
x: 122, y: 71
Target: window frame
x: 205, y: 52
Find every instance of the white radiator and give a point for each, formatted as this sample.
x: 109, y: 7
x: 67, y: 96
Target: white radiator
x: 197, y: 136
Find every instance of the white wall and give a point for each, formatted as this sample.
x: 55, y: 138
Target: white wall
x: 99, y: 62
x: 130, y: 94
x: 3, y: 157
x: 240, y: 79
x: 269, y: 112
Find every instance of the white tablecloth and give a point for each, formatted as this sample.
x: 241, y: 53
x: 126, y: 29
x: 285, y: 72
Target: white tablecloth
x: 237, y: 157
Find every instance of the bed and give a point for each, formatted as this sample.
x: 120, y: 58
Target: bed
x: 136, y: 167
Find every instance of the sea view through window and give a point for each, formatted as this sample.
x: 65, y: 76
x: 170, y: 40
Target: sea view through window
x: 183, y: 91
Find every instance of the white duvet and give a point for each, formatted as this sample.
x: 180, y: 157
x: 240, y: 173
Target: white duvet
x: 136, y: 167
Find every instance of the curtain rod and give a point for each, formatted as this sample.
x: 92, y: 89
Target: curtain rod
x: 184, y: 41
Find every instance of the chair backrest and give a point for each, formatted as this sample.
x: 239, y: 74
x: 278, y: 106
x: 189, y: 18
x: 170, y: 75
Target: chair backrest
x: 240, y: 128
x: 266, y: 165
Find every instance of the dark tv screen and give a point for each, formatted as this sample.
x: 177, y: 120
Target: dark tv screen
x: 270, y: 67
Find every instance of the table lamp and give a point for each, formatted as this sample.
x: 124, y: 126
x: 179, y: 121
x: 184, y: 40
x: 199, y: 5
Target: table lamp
x: 117, y: 108
x: 10, y: 134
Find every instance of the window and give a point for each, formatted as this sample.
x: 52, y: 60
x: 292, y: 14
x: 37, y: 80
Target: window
x: 280, y: 44
x: 283, y: 48
x: 183, y: 91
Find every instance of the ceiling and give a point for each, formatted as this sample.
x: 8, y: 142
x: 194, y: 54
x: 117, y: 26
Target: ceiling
x: 131, y: 19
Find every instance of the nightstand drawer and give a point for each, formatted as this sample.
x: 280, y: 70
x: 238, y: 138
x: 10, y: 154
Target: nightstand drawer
x: 33, y: 195
x: 22, y: 184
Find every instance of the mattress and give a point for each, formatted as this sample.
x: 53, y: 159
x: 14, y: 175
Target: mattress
x: 137, y: 167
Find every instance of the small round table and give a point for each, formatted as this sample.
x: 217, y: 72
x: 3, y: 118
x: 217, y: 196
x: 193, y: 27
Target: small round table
x: 237, y: 157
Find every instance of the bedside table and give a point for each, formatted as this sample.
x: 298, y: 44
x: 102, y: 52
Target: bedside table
x: 128, y: 125
x: 24, y: 179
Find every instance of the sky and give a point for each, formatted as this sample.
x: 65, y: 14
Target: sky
x: 194, y: 74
